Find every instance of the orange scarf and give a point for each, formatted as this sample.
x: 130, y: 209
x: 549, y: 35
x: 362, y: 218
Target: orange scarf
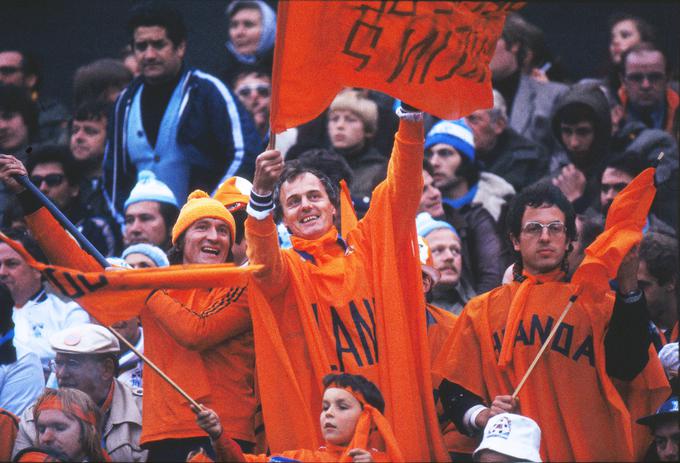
x: 55, y: 403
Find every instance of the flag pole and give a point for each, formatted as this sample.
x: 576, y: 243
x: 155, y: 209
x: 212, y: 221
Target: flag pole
x: 66, y: 223
x: 547, y: 342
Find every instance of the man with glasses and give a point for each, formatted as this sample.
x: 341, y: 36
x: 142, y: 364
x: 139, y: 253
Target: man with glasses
x: 37, y: 313
x: 87, y: 360
x: 645, y: 93
x: 182, y: 124
x: 595, y: 343
x: 253, y: 88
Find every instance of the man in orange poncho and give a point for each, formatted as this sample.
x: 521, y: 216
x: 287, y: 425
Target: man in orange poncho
x: 601, y: 342
x: 335, y: 305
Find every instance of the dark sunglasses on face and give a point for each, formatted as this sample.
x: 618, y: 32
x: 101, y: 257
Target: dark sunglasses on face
x: 51, y: 180
x: 652, y: 77
x: 617, y: 187
x: 9, y: 70
x: 247, y: 89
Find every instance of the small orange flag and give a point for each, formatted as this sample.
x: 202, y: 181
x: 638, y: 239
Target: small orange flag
x: 433, y: 55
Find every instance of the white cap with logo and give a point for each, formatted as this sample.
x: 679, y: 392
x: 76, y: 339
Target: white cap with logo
x: 513, y: 435
x: 87, y: 338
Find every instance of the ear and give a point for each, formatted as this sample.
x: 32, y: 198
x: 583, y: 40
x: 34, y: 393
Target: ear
x: 515, y: 243
x: 30, y: 80
x: 500, y: 125
x: 181, y: 49
x: 670, y: 286
x: 108, y: 369
x: 74, y: 190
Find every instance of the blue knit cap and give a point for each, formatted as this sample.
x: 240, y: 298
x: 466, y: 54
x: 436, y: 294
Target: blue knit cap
x: 425, y: 224
x: 148, y: 188
x: 154, y: 253
x: 454, y: 133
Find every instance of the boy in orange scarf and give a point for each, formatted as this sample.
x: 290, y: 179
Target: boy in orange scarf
x: 350, y: 305
x: 571, y: 393
x: 352, y: 406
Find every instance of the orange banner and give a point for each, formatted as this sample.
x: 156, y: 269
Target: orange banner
x: 433, y: 55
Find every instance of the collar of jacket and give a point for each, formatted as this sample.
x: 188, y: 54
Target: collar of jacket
x: 327, y: 245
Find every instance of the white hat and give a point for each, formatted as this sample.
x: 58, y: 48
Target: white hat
x: 669, y: 359
x: 85, y: 339
x: 149, y: 188
x: 513, y: 435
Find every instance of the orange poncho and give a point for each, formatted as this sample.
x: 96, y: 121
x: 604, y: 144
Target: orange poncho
x: 358, y: 309
x: 582, y: 415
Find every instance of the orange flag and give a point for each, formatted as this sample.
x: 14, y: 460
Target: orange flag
x: 433, y: 55
x: 120, y: 295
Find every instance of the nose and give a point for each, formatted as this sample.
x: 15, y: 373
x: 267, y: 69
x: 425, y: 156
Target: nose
x: 3, y: 271
x: 149, y: 53
x: 211, y: 234
x: 544, y: 236
x: 133, y: 227
x: 43, y: 187
x: 47, y: 436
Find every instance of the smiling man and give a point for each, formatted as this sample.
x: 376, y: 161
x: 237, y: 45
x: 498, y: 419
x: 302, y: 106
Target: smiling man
x: 181, y: 123
x: 349, y: 284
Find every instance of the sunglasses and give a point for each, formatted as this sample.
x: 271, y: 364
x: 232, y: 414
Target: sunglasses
x: 617, y: 187
x: 246, y: 90
x: 51, y: 180
x: 9, y: 70
x: 652, y: 77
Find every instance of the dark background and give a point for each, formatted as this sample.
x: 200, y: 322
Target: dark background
x: 66, y: 34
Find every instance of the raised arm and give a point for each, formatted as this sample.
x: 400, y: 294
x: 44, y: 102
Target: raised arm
x: 260, y: 229
x: 225, y: 315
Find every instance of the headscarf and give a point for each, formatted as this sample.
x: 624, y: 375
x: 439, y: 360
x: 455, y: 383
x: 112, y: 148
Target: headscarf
x: 267, y: 36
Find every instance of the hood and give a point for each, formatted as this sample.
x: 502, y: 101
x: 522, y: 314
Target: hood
x: 591, y: 96
x: 268, y: 35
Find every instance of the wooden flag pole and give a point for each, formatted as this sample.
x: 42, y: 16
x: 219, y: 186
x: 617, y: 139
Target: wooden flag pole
x: 66, y: 223
x: 547, y: 342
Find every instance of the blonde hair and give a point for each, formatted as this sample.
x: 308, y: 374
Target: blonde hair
x: 74, y: 404
x: 366, y: 109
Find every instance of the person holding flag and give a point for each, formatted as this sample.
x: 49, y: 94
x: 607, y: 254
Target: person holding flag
x: 582, y: 390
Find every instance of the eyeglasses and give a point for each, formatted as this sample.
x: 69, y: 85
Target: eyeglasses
x: 652, y: 77
x: 535, y: 229
x: 246, y: 90
x: 9, y: 70
x: 70, y: 364
x: 51, y: 180
x: 617, y: 187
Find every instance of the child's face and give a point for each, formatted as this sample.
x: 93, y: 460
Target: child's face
x: 339, y: 415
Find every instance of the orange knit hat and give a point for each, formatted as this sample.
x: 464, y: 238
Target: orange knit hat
x: 200, y: 206
x: 234, y: 193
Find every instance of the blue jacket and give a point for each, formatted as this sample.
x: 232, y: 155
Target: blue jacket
x: 212, y: 121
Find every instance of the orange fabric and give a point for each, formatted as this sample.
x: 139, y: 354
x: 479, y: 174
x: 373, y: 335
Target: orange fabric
x: 359, y: 310
x: 9, y: 426
x: 200, y: 205
x: 229, y: 194
x: 570, y: 380
x: 433, y: 55
x: 348, y: 218
x: 54, y: 403
x: 166, y: 415
x: 672, y: 104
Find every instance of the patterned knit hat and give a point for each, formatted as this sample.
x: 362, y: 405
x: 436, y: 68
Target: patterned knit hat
x: 454, y: 133
x: 200, y: 206
x: 148, y: 188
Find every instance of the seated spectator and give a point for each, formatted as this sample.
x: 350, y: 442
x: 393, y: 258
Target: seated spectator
x: 665, y: 429
x: 582, y: 125
x: 21, y: 376
x: 18, y: 128
x: 351, y: 410
x: 253, y: 86
x: 101, y: 80
x: 37, y: 313
x: 509, y: 437
x: 56, y: 173
x: 530, y: 103
x: 352, y: 123
x: 451, y: 292
x: 658, y: 278
x: 86, y: 360
x: 65, y: 424
x: 88, y: 140
x: 618, y: 173
x: 481, y: 244
x: 502, y: 151
x: 52, y: 116
x: 252, y: 31
x: 645, y: 93
x: 150, y: 212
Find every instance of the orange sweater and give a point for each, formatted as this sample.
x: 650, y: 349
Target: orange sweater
x: 166, y: 415
x: 356, y: 308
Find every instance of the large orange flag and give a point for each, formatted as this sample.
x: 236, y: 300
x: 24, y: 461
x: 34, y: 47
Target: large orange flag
x: 433, y: 55
x: 111, y: 296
